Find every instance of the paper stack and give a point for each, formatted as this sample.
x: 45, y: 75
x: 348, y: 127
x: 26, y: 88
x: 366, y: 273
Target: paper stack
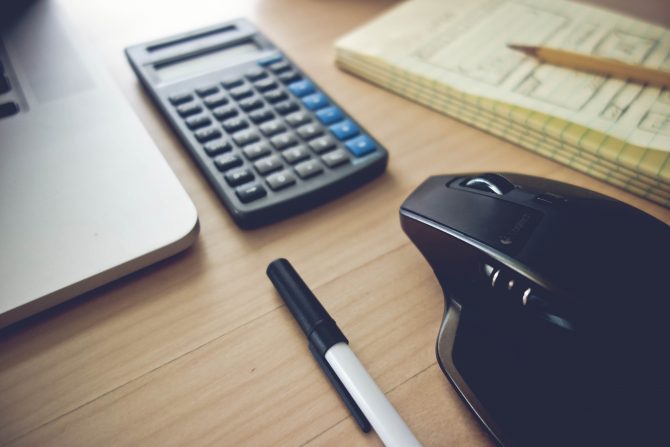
x: 452, y: 56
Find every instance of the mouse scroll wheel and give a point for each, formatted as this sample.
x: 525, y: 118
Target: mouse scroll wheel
x: 497, y: 184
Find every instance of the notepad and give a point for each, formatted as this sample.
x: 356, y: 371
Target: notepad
x: 452, y: 56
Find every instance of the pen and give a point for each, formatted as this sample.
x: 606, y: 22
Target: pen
x: 598, y: 65
x: 330, y: 348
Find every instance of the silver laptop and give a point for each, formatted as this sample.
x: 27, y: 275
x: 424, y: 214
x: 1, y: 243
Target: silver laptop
x: 85, y: 195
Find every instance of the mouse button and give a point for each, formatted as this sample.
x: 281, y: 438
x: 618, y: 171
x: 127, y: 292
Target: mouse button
x: 550, y: 198
x: 493, y: 183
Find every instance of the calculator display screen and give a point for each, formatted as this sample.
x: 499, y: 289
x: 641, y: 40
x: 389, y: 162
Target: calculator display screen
x: 205, y: 62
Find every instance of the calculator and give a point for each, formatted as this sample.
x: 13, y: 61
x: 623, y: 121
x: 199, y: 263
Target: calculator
x: 269, y: 140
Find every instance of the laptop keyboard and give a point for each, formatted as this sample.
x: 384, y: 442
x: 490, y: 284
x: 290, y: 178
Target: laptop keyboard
x: 8, y: 107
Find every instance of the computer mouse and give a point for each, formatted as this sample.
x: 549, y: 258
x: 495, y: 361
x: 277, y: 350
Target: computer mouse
x: 557, y: 315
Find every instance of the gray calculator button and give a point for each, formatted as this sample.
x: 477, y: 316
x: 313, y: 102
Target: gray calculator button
x: 257, y: 150
x: 227, y: 161
x: 210, y: 133
x: 295, y: 154
x: 241, y: 92
x: 255, y: 74
x: 335, y: 158
x: 217, y: 100
x: 275, y: 96
x: 182, y: 98
x: 280, y: 180
x: 266, y: 85
x: 225, y: 112
x: 283, y: 141
x: 217, y: 147
x: 239, y: 176
x: 268, y: 164
x: 250, y: 104
x: 310, y: 131
x: 246, y: 137
x: 252, y: 191
x: 298, y: 118
x: 323, y: 144
x: 308, y: 169
x: 234, y: 124
x: 206, y: 90
x: 196, y: 122
x: 272, y: 128
x: 286, y: 107
x: 232, y: 82
x: 188, y: 110
x: 261, y: 116
x: 279, y: 67
x: 288, y: 77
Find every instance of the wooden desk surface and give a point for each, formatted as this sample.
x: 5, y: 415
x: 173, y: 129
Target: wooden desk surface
x: 199, y: 349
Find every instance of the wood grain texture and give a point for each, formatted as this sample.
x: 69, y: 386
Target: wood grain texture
x: 198, y: 348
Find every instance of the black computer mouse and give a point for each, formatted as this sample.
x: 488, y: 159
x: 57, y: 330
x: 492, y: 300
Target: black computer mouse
x: 557, y: 307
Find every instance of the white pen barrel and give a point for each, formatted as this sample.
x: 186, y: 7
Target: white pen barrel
x: 373, y: 403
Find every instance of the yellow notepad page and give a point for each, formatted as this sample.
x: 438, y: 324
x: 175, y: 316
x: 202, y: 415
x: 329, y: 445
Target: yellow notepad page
x: 461, y: 46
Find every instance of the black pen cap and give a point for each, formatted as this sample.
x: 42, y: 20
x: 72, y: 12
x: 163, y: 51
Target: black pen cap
x: 313, y: 319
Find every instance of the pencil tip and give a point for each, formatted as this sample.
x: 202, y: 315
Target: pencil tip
x: 523, y: 48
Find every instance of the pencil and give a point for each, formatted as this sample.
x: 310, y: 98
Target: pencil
x: 598, y: 65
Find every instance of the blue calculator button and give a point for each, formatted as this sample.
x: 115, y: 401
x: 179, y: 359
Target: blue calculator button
x: 344, y: 130
x: 361, y: 145
x: 301, y: 88
x: 315, y: 101
x: 264, y: 62
x: 330, y: 115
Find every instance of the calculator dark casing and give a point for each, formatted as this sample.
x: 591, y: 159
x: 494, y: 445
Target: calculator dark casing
x: 582, y: 360
x: 275, y: 205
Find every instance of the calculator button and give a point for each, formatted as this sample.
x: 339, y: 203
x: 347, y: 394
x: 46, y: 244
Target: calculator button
x: 286, y: 107
x: 298, y: 118
x: 239, y: 176
x: 232, y: 82
x: 275, y: 96
x: 360, y: 145
x: 272, y: 128
x: 330, y: 115
x: 302, y: 88
x: 269, y: 60
x: 268, y: 164
x: 279, y: 67
x: 217, y: 147
x: 344, y: 130
x: 289, y: 76
x: 315, y: 101
x: 227, y: 161
x: 257, y: 150
x: 266, y: 85
x: 241, y: 92
x: 216, y: 100
x: 250, y: 104
x: 284, y: 141
x: 196, y: 122
x: 182, y: 98
x: 246, y: 137
x: 308, y: 169
x: 210, y: 133
x: 206, y: 90
x: 234, y: 124
x: 255, y: 74
x: 280, y: 180
x: 335, y: 158
x: 323, y: 144
x: 225, y: 112
x: 260, y: 116
x: 295, y: 154
x: 188, y: 109
x: 250, y: 192
x: 310, y: 131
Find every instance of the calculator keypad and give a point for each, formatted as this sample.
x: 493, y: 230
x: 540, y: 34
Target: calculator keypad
x: 270, y: 129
